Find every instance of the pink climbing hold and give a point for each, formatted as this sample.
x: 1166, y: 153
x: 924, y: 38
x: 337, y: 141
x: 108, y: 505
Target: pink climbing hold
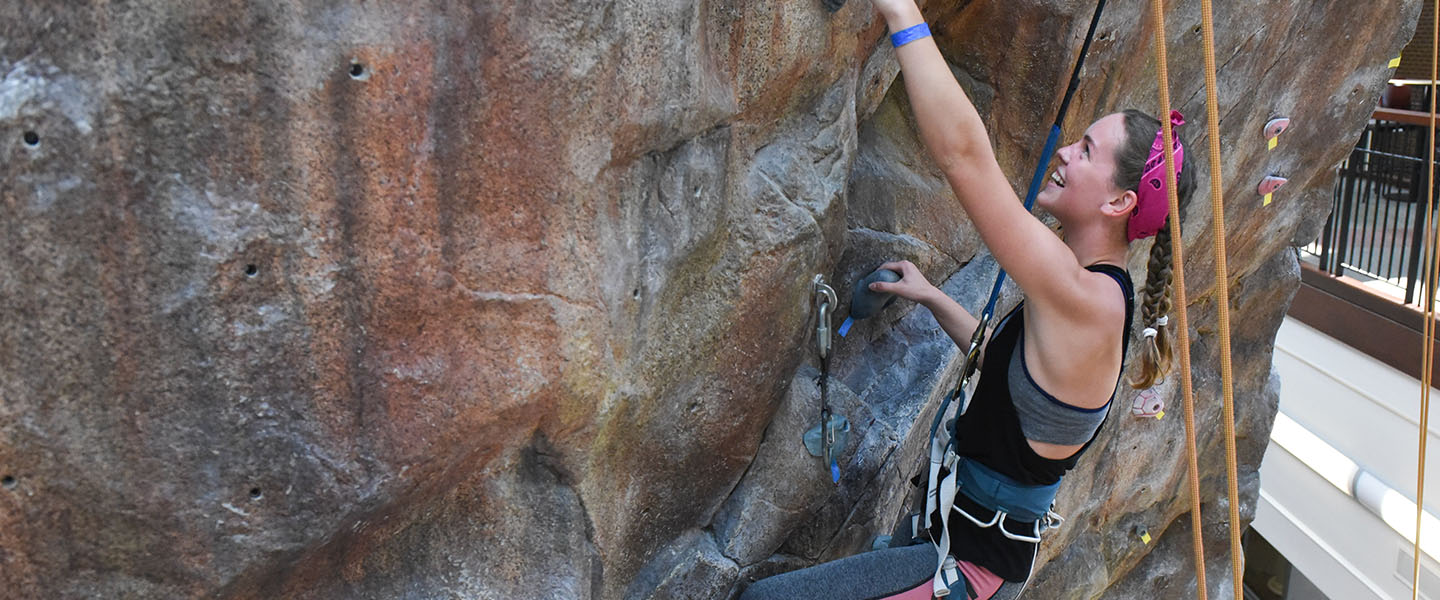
x: 1148, y: 404
x: 1271, y: 183
x: 1276, y: 127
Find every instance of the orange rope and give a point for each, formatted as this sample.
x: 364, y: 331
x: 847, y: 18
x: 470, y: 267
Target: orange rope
x: 1182, y: 325
x: 1222, y: 298
x: 1427, y: 351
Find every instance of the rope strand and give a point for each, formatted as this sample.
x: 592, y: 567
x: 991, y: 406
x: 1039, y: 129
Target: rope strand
x: 1222, y: 298
x: 1427, y: 350
x: 1182, y: 325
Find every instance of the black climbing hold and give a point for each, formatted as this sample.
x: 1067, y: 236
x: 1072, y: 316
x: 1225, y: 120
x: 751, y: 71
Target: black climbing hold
x: 865, y: 303
x: 833, y: 5
x: 32, y: 139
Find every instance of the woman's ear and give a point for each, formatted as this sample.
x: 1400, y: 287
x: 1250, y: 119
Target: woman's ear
x: 1121, y: 205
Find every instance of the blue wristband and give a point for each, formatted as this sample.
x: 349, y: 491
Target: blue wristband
x: 909, y: 34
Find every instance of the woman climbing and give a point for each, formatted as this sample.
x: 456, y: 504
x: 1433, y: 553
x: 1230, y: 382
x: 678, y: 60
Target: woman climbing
x: 1054, y: 363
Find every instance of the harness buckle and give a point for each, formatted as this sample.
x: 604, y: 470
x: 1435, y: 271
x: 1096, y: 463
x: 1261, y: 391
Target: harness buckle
x: 1051, y: 520
x: 950, y: 575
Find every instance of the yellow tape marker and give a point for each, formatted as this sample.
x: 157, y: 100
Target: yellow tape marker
x: 1275, y: 141
x: 1159, y: 415
x: 1268, y: 199
x: 1145, y: 537
x: 1394, y: 62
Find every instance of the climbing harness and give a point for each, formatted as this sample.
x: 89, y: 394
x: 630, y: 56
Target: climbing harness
x: 827, y: 439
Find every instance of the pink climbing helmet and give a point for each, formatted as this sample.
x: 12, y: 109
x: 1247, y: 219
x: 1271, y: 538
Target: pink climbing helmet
x: 1153, y: 204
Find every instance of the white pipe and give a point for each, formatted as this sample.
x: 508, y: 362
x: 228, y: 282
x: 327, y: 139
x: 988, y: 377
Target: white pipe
x: 1392, y: 507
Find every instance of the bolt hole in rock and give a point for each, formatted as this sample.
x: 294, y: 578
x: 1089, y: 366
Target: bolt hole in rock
x: 256, y: 493
x: 32, y: 139
x: 8, y: 481
x: 251, y: 270
x: 358, y: 71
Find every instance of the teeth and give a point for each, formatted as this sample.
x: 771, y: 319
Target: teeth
x: 1060, y: 181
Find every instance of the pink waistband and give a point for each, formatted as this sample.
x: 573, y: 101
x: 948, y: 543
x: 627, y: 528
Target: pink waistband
x: 980, y: 578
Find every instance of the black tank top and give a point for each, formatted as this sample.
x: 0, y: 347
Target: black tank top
x: 990, y: 433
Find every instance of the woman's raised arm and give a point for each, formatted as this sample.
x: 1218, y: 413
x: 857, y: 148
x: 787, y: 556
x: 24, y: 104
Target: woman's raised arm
x: 956, y: 138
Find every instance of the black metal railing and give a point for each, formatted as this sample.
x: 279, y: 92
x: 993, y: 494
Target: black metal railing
x: 1376, y: 225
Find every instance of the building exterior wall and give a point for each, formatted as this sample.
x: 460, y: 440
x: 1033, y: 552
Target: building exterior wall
x: 1369, y: 414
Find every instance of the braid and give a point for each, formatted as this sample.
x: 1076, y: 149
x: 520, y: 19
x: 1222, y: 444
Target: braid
x: 1155, y: 361
x: 1140, y: 131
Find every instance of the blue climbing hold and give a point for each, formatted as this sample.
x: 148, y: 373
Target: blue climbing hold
x: 864, y: 302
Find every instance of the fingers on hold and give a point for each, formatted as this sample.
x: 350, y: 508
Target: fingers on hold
x: 904, y: 267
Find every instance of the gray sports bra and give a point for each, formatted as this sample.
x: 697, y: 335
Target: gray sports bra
x: 1043, y: 417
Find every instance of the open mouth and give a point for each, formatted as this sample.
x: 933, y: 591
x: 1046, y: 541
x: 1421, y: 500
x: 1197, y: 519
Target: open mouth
x: 1058, y: 178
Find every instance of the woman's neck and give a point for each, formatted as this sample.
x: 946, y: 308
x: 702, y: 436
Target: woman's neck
x: 1096, y: 245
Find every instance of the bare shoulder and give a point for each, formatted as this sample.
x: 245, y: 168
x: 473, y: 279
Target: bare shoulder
x: 1093, y: 300
x: 1073, y: 347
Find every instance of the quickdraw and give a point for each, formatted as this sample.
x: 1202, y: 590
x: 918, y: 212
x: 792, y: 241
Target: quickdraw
x: 827, y: 439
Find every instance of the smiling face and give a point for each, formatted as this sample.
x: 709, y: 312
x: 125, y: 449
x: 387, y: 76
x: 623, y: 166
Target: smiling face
x: 1082, y: 186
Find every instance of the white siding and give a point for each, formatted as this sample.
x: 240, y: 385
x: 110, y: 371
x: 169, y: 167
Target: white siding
x: 1370, y: 413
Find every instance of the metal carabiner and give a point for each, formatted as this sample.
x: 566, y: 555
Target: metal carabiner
x: 972, y: 354
x: 1052, y: 520
x: 825, y: 301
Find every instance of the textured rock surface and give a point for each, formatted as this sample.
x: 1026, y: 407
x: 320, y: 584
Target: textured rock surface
x: 511, y: 299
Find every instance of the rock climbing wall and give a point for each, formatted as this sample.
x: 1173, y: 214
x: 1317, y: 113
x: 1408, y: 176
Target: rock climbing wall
x: 509, y: 299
